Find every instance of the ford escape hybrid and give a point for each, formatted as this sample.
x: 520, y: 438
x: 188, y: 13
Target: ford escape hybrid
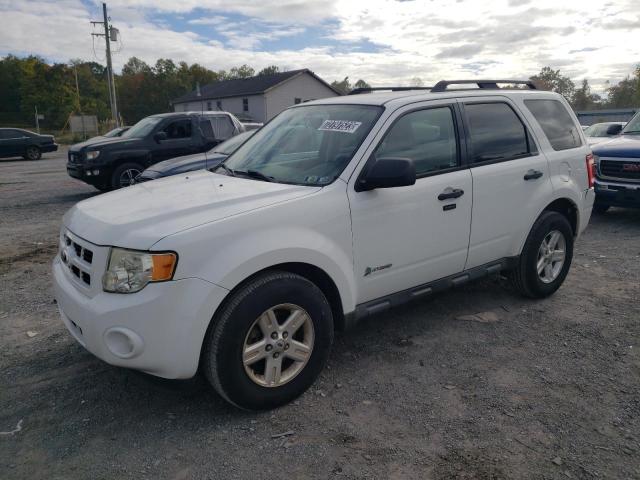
x: 333, y: 211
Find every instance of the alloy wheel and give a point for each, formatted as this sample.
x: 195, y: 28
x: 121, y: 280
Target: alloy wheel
x: 551, y: 256
x: 278, y: 345
x: 128, y: 177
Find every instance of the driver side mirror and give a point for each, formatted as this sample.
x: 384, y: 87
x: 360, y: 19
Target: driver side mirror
x: 388, y: 173
x: 160, y: 136
x: 614, y: 129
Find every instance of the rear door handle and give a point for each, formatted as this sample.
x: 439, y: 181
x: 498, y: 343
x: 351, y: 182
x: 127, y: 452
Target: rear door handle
x: 532, y: 174
x: 450, y: 193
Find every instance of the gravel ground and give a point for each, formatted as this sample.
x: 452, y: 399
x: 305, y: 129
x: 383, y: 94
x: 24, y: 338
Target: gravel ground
x: 527, y: 389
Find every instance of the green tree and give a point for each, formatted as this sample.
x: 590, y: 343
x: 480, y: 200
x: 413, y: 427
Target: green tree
x: 553, y: 80
x: 361, y: 84
x: 343, y: 86
x: 270, y: 70
x: 244, y: 71
x: 583, y: 99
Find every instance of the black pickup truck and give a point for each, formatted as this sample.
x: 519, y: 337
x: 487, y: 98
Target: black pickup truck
x: 116, y: 162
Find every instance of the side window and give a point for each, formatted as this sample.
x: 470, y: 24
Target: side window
x: 222, y: 127
x: 556, y: 123
x: 206, y: 128
x: 428, y: 137
x: 496, y: 132
x: 8, y: 134
x: 178, y: 129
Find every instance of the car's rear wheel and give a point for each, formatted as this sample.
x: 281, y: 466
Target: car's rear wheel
x: 32, y: 153
x: 269, y: 342
x: 124, y: 175
x: 546, y: 257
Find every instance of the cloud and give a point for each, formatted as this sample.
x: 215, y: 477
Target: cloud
x: 432, y: 39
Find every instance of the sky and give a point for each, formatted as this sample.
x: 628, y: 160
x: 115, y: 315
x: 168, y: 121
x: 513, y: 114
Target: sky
x: 385, y: 42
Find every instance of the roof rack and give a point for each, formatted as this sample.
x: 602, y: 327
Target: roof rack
x: 442, y: 85
x: 357, y: 91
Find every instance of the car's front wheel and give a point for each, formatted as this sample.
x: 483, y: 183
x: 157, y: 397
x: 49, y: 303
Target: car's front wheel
x: 32, y: 153
x: 546, y: 257
x: 269, y: 342
x: 125, y: 175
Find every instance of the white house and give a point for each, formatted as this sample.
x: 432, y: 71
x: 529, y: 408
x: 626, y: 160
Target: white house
x: 258, y: 98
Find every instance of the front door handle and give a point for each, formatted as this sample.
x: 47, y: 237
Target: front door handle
x: 532, y: 174
x: 450, y: 193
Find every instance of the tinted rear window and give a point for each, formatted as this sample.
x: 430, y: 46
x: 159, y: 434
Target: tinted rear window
x: 496, y: 132
x: 556, y: 123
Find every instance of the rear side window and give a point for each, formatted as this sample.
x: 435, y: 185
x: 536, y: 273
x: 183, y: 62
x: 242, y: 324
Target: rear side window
x: 222, y: 127
x: 428, y: 137
x: 556, y: 123
x: 496, y: 132
x: 178, y: 129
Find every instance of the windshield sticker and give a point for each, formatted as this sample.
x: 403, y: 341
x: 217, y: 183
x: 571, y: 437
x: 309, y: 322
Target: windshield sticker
x: 346, y: 126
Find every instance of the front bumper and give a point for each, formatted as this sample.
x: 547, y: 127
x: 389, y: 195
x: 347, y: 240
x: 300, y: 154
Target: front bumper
x: 158, y: 330
x: 92, y: 174
x: 617, y: 194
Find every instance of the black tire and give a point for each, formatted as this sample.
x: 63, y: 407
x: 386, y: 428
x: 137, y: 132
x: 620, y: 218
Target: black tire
x: 222, y: 360
x: 525, y: 277
x: 103, y: 188
x: 599, y: 208
x: 129, y: 170
x: 32, y: 153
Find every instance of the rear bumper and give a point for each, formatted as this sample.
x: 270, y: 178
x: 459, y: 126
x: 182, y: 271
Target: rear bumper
x: 158, y: 330
x: 617, y: 194
x: 53, y: 147
x: 586, y: 208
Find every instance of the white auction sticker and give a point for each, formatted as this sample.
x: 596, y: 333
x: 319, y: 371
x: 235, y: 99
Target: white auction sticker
x: 346, y: 126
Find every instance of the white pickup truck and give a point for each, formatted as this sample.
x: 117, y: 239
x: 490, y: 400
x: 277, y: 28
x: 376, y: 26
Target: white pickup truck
x: 335, y: 210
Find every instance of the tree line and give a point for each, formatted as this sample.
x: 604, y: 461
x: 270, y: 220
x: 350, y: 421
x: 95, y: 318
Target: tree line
x: 143, y: 89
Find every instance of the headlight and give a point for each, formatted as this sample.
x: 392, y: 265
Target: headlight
x: 130, y: 271
x: 93, y: 154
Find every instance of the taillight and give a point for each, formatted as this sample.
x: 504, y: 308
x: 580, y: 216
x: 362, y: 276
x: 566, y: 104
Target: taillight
x: 591, y: 170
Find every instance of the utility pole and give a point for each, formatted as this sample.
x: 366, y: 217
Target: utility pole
x: 110, y: 80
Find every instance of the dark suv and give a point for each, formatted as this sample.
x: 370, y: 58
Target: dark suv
x: 618, y: 169
x: 116, y: 162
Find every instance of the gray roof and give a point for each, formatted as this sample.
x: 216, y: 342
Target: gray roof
x: 245, y: 86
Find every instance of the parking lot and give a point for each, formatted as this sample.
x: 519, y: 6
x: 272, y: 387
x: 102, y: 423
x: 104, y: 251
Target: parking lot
x: 476, y: 383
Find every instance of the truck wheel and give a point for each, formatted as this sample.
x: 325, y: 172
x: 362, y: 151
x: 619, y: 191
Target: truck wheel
x: 269, y: 342
x: 32, y: 153
x: 546, y: 256
x: 124, y: 175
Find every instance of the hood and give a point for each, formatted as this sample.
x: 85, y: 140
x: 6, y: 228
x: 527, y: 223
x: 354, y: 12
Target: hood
x: 622, y: 146
x: 180, y: 162
x: 102, y: 141
x: 138, y: 216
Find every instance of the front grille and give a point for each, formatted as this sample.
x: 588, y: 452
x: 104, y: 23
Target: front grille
x: 74, y: 157
x: 77, y: 258
x: 624, y: 169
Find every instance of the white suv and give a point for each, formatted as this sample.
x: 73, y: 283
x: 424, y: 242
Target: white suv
x: 334, y: 210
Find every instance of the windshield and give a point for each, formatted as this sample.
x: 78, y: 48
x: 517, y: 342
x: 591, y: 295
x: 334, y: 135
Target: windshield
x: 308, y: 145
x: 230, y: 146
x: 143, y: 128
x: 597, y: 130
x: 113, y: 133
x: 633, y: 126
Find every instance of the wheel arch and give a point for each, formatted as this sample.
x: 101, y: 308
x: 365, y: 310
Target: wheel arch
x: 568, y: 208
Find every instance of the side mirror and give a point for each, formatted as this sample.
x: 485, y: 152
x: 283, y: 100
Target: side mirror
x: 614, y: 129
x: 160, y: 136
x: 388, y: 173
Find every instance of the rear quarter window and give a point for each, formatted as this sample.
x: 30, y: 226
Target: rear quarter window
x: 556, y: 123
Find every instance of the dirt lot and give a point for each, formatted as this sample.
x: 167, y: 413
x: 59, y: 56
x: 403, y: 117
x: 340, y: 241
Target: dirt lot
x: 537, y: 389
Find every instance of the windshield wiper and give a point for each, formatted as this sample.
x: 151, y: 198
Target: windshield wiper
x: 255, y: 174
x: 226, y: 169
x: 631, y: 131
